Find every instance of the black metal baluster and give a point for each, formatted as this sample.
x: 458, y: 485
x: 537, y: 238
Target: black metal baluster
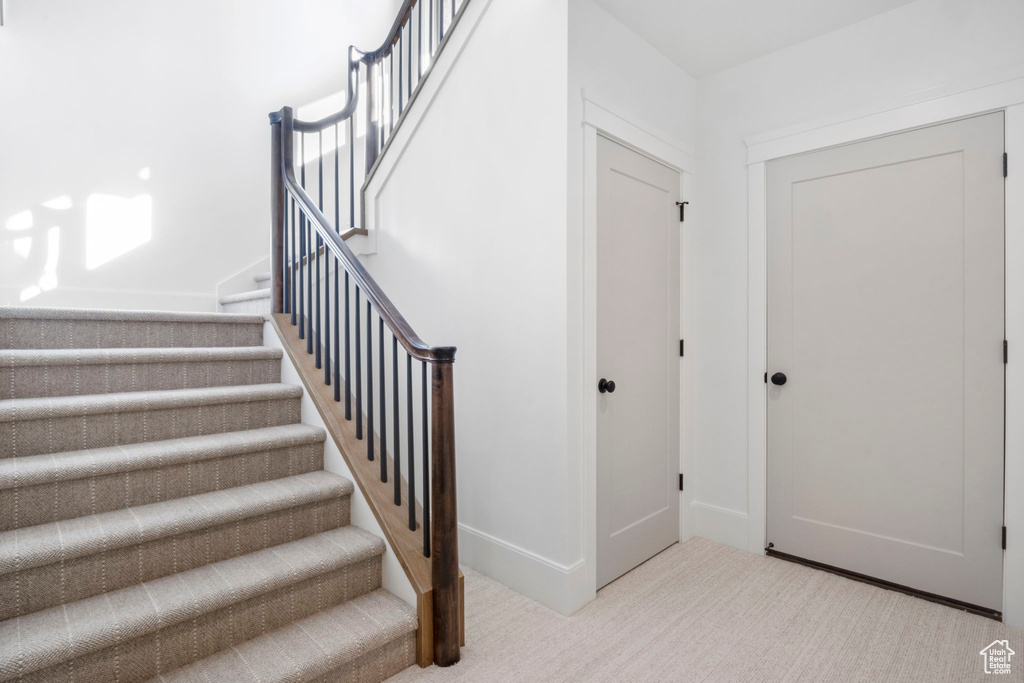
x: 307, y: 260
x: 408, y: 62
x: 440, y: 23
x: 302, y: 282
x: 391, y: 93
x: 321, y: 311
x: 383, y: 409
x: 284, y: 257
x: 337, y: 227
x: 430, y: 30
x: 453, y: 15
x: 409, y: 436
x: 369, y: 381
x: 401, y: 63
x: 337, y: 180
x: 337, y: 333
x: 348, y: 374
x: 426, y: 468
x: 301, y: 257
x: 352, y: 172
x: 291, y: 264
x: 310, y: 248
x: 419, y: 41
x: 359, y: 376
x: 397, y: 419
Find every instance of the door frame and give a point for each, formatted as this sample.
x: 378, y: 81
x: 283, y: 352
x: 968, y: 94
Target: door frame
x: 1000, y: 91
x: 602, y: 117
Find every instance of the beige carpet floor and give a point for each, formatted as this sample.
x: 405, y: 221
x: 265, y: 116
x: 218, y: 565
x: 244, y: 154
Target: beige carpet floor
x: 700, y: 611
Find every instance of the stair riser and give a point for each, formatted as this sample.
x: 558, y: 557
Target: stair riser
x: 377, y: 665
x: 141, y: 658
x: 259, y: 306
x: 35, y: 589
x: 75, y: 432
x: 53, y: 502
x: 79, y: 380
x: 36, y: 333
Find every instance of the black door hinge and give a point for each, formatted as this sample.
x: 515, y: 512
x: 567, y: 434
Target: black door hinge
x: 1004, y: 538
x: 682, y: 210
x: 1006, y: 351
x: 681, y: 347
x: 1006, y: 164
x: 680, y: 481
x: 766, y: 378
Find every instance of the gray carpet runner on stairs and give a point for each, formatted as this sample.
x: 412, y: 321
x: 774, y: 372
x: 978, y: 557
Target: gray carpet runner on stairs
x: 165, y: 515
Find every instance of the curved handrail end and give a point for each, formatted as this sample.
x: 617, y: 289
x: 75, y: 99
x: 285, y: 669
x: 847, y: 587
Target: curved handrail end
x: 443, y: 354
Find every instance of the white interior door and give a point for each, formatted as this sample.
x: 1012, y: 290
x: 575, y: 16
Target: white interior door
x: 886, y: 314
x: 637, y: 349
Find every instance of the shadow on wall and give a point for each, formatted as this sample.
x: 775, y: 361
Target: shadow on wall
x: 72, y: 233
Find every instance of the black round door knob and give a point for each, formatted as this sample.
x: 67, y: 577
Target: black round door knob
x: 606, y: 385
x: 778, y: 379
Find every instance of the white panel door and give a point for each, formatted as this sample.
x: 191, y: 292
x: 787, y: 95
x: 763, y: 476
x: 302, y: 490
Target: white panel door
x: 637, y: 349
x: 886, y: 315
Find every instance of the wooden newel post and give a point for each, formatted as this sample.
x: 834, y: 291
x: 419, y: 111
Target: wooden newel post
x: 444, y: 557
x: 276, y: 216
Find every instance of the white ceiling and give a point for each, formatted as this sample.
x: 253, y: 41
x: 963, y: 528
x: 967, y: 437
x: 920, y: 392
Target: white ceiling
x: 707, y: 36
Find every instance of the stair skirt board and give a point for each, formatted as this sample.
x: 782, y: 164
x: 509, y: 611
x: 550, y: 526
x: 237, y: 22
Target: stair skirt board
x: 165, y: 515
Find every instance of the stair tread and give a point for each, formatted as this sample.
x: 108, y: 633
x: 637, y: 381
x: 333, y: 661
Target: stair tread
x: 33, y: 470
x: 262, y: 277
x: 306, y: 649
x: 49, y: 637
x: 177, y: 354
x: 15, y: 409
x: 246, y: 296
x: 47, y: 313
x: 53, y: 542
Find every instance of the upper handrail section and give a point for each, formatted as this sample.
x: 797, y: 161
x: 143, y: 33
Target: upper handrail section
x: 407, y: 337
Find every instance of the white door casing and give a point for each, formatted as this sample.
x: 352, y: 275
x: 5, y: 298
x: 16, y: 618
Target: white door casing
x: 885, y: 311
x: 637, y: 348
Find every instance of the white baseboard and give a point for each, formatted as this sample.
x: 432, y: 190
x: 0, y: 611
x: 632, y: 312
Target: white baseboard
x: 560, y: 587
x: 719, y: 524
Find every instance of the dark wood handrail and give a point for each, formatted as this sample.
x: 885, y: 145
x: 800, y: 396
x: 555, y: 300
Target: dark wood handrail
x: 368, y: 58
x: 306, y: 249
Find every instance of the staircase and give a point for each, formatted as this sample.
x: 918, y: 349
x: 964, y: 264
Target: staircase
x: 165, y: 515
x: 253, y: 301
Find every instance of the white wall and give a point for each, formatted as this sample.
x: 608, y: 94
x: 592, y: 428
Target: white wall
x: 927, y: 44
x: 94, y: 92
x: 471, y: 248
x: 609, y: 62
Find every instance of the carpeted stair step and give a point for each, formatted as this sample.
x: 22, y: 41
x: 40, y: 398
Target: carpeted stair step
x: 255, y: 301
x: 30, y: 426
x: 52, y: 564
x: 367, y: 639
x: 71, y: 328
x: 140, y: 632
x: 31, y: 373
x: 40, y: 489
